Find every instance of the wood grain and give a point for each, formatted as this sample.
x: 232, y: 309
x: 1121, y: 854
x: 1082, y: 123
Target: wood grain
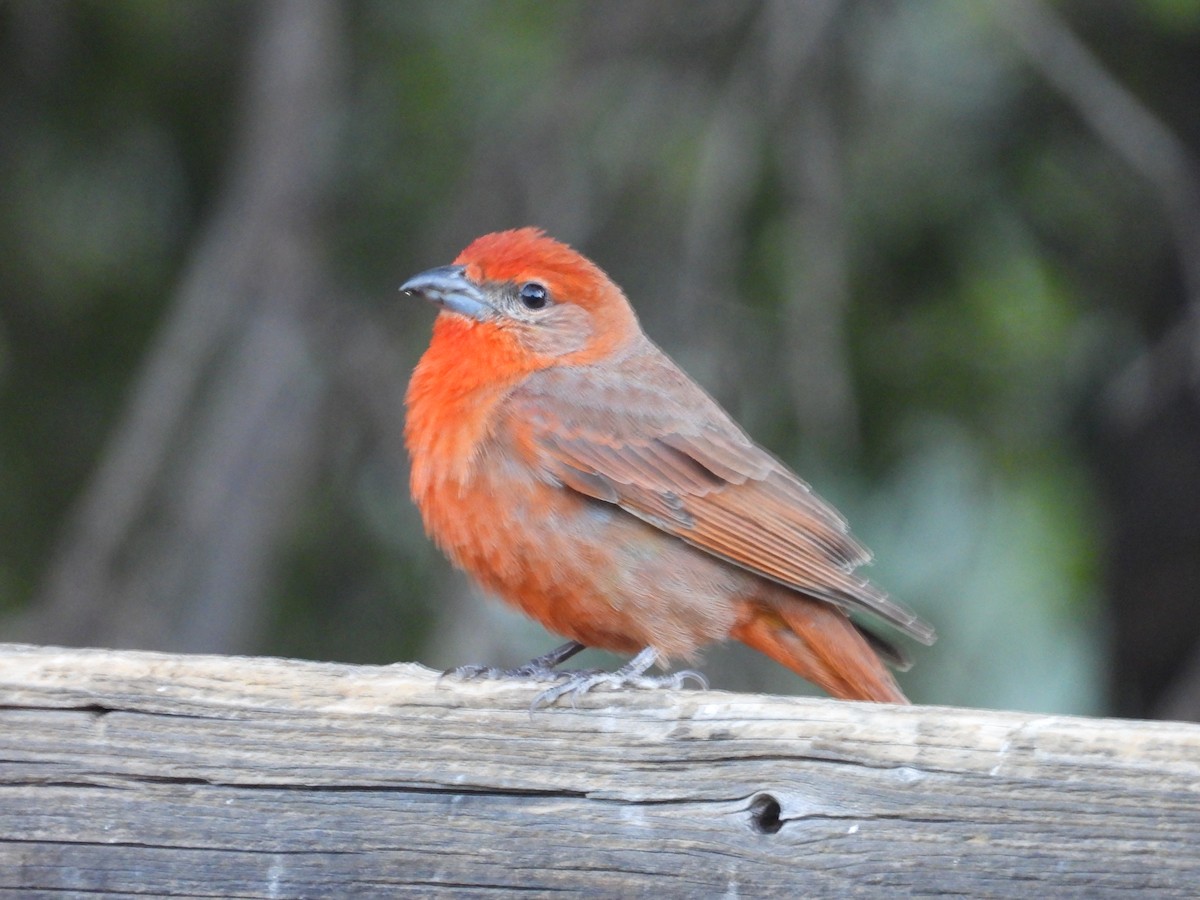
x: 201, y: 776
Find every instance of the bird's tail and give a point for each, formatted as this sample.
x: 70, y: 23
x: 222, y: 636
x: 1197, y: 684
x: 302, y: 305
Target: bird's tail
x: 819, y: 643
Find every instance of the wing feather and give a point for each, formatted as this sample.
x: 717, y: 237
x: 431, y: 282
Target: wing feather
x: 643, y: 436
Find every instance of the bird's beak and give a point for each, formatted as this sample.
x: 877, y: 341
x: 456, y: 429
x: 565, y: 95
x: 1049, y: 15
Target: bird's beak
x: 449, y: 287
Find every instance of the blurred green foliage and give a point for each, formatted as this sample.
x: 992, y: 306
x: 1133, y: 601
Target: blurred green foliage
x: 1001, y: 266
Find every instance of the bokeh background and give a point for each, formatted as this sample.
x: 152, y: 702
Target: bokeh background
x: 942, y: 257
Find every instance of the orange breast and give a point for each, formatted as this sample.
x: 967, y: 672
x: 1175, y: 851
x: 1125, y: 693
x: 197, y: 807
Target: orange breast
x: 583, y: 568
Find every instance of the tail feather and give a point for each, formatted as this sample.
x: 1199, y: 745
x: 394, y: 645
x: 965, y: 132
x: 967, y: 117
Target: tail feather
x: 890, y: 653
x: 819, y: 643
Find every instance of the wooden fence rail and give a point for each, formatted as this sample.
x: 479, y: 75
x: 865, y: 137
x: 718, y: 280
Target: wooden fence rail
x: 129, y: 773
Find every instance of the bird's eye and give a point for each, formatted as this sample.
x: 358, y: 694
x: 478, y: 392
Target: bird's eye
x: 533, y: 295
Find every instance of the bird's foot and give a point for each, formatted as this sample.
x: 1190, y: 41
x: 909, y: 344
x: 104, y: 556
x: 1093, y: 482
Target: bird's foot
x: 540, y: 668
x: 631, y: 675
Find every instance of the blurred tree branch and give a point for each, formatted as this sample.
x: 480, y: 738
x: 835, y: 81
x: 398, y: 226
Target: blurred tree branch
x: 172, y: 541
x: 1151, y: 408
x: 1151, y: 149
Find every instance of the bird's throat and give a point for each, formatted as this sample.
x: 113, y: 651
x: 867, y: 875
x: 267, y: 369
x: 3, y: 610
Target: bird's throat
x: 453, y: 396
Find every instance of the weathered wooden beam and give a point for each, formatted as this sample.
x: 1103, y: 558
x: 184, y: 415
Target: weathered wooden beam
x: 185, y: 776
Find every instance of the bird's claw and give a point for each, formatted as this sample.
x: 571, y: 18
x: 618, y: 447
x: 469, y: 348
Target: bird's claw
x: 631, y: 675
x: 575, y: 683
x: 580, y: 683
x: 527, y: 672
x: 540, y: 668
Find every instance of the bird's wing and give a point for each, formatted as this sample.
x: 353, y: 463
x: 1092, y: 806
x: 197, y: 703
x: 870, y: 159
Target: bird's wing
x: 640, y: 434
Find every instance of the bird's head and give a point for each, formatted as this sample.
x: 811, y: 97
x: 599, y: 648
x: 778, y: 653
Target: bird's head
x: 530, y: 297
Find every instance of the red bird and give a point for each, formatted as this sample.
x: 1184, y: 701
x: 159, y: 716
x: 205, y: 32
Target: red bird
x: 572, y: 468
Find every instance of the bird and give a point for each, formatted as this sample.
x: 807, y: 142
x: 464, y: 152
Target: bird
x: 570, y: 467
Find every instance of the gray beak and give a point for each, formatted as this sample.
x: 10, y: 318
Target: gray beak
x: 449, y: 287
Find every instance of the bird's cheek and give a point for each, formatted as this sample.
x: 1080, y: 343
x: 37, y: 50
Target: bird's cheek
x: 567, y: 329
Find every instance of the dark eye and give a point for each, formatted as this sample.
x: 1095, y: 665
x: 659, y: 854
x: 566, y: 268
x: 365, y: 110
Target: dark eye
x: 533, y: 295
